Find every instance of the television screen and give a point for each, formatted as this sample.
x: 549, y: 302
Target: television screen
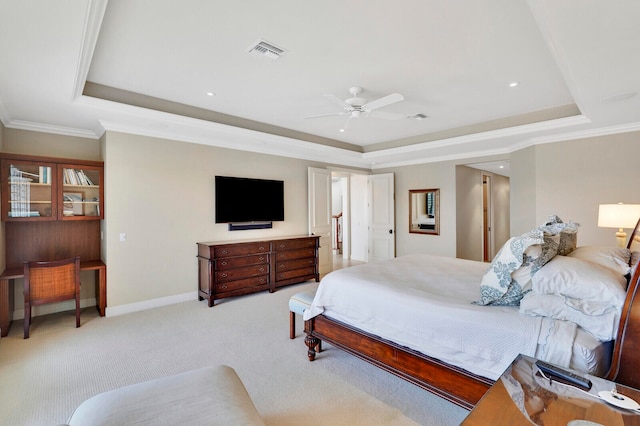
x: 241, y: 200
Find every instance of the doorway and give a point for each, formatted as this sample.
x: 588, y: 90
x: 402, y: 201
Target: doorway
x: 482, y: 209
x: 487, y: 235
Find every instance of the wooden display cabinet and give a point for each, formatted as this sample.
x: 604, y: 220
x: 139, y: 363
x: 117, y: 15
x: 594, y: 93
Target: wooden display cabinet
x: 47, y: 188
x: 52, y: 209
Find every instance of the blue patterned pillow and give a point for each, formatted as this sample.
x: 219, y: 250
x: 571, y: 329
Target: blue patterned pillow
x: 508, y: 278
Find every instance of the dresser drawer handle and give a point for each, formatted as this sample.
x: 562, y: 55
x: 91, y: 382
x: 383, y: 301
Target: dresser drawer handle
x: 261, y: 248
x: 261, y: 269
x: 282, y: 246
x: 224, y: 287
x: 224, y: 275
x: 261, y: 258
x: 263, y: 280
x: 224, y: 251
x: 223, y: 263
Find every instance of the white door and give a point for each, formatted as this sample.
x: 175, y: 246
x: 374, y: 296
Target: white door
x: 319, y: 194
x: 381, y: 199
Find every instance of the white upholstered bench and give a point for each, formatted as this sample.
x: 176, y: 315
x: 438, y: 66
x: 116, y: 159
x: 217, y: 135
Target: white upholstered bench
x: 210, y: 395
x: 298, y: 303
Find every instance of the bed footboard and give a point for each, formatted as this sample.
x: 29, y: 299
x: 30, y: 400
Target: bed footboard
x: 449, y: 382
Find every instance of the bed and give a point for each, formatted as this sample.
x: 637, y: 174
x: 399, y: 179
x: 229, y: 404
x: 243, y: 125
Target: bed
x: 391, y: 313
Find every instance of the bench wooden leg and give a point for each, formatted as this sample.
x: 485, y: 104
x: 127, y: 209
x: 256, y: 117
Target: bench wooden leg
x: 292, y: 325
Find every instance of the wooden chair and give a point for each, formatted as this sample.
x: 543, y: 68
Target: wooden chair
x: 50, y: 282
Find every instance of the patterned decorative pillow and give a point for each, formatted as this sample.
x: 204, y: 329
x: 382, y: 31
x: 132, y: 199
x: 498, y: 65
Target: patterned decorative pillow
x: 568, y: 233
x: 508, y: 278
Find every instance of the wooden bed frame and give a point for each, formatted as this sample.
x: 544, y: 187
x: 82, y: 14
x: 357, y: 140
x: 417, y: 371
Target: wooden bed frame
x: 455, y: 384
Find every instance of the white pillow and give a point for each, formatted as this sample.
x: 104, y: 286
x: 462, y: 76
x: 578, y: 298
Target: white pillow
x: 614, y: 258
x: 599, y: 319
x: 580, y: 279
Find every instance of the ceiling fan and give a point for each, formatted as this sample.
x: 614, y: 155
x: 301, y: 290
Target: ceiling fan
x: 356, y: 107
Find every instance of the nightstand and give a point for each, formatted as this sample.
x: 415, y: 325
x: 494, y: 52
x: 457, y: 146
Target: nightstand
x: 521, y: 396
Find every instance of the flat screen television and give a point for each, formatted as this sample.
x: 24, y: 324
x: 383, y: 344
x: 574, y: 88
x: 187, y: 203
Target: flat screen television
x: 242, y: 200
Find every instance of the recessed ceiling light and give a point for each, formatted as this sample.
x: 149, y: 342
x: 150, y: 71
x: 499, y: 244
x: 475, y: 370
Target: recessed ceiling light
x: 341, y: 130
x: 211, y: 94
x: 513, y: 84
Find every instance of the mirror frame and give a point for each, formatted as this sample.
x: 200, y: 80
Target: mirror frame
x: 414, y: 195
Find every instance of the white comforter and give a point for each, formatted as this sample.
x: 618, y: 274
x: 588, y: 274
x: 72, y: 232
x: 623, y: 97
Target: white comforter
x: 424, y: 302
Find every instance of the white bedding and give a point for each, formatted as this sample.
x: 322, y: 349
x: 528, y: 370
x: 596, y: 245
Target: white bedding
x: 424, y: 302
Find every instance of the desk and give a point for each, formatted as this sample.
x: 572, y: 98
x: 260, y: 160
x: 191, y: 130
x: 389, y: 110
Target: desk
x: 547, y: 403
x: 7, y: 293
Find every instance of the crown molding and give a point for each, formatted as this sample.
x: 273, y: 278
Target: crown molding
x: 90, y: 32
x: 58, y: 130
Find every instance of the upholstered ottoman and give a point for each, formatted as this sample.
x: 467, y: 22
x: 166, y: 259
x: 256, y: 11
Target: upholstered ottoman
x: 210, y: 395
x: 298, y: 303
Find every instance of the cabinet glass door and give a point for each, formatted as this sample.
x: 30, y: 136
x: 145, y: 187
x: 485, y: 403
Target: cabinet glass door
x: 29, y: 190
x: 81, y: 192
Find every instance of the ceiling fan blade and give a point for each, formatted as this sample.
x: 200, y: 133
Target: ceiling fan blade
x: 327, y: 115
x: 385, y: 115
x: 384, y: 101
x: 338, y: 101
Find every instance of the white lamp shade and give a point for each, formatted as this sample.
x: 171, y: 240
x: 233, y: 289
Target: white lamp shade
x: 618, y: 215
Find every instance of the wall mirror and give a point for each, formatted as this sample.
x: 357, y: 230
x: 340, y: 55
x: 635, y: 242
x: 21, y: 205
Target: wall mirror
x: 424, y: 211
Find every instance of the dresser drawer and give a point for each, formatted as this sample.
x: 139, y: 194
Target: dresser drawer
x: 296, y: 254
x: 294, y: 264
x: 310, y: 271
x: 239, y: 273
x: 222, y: 287
x: 292, y: 244
x: 241, y: 249
x: 235, y: 262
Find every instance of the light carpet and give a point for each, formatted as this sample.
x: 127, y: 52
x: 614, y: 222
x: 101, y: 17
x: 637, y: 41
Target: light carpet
x: 44, y: 378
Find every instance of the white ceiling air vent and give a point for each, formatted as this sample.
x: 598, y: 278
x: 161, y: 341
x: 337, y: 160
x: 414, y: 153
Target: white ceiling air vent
x: 264, y: 48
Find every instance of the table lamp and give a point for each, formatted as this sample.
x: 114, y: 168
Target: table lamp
x: 619, y: 216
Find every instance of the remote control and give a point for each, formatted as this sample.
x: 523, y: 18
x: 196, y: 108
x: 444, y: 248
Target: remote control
x: 568, y: 377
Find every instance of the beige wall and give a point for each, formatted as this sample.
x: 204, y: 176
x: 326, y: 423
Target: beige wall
x: 160, y: 193
x: 523, y: 190
x: 48, y: 144
x: 469, y: 217
x: 574, y: 177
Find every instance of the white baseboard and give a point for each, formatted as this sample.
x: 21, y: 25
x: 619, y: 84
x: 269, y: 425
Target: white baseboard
x: 52, y: 308
x: 149, y: 304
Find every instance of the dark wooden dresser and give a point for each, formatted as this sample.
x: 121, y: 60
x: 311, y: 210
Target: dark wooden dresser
x: 236, y: 268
